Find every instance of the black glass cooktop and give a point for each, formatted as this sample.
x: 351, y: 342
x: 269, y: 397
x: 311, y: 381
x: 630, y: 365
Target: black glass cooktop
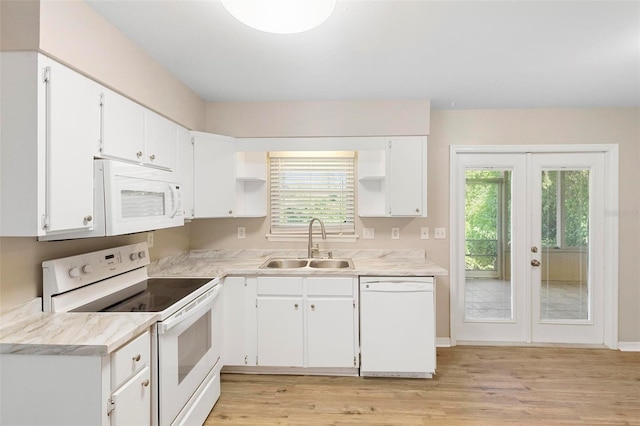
x: 159, y: 294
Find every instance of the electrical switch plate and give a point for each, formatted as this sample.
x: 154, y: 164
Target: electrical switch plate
x: 424, y: 233
x: 440, y: 234
x: 368, y: 233
x: 395, y: 233
x: 149, y: 239
x: 241, y: 232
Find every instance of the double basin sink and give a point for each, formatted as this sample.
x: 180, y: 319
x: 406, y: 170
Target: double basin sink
x: 276, y: 263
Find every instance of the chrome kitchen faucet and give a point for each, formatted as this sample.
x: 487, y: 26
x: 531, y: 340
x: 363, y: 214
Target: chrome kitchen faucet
x: 312, y: 249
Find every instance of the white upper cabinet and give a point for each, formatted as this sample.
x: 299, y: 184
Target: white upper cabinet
x: 73, y: 124
x: 406, y: 177
x: 184, y: 169
x: 392, y: 180
x: 227, y: 182
x: 131, y: 132
x: 50, y: 118
x: 213, y: 175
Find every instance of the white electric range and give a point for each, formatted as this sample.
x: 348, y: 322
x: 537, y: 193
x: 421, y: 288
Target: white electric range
x: 186, y: 340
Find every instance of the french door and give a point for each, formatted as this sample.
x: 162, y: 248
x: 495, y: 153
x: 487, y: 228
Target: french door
x: 528, y: 247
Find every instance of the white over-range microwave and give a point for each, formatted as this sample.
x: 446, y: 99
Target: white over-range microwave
x: 131, y: 198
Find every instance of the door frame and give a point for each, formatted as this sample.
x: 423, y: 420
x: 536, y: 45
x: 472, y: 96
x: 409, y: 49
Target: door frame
x: 610, y: 239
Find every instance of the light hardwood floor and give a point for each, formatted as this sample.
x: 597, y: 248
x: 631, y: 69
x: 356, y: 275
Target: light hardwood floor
x: 473, y: 386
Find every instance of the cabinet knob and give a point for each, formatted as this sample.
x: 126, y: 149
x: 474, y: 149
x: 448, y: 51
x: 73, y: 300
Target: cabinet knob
x: 136, y: 358
x: 152, y: 157
x: 145, y: 383
x: 295, y: 306
x: 139, y: 154
x: 417, y: 210
x: 88, y: 218
x: 313, y: 307
x: 230, y: 211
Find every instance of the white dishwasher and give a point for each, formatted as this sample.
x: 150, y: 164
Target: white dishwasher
x: 397, y: 327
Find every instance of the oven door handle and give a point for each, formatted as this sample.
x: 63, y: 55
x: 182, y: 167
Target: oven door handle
x: 196, y: 308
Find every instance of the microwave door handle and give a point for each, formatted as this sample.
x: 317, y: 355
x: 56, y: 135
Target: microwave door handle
x: 176, y: 201
x: 195, y: 308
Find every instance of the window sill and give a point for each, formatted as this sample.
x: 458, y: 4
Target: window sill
x: 317, y: 238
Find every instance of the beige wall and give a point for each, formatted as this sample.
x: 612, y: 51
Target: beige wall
x: 478, y: 127
x: 73, y: 33
x: 308, y: 119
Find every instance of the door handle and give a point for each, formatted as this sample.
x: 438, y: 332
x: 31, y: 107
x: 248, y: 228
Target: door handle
x: 535, y: 262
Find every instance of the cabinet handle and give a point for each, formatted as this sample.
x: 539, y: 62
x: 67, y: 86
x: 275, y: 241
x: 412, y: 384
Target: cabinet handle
x: 145, y: 383
x: 88, y: 218
x: 153, y: 157
x: 139, y: 154
x: 136, y: 358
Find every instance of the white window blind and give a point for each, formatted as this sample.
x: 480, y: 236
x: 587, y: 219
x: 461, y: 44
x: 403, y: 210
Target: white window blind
x: 303, y: 187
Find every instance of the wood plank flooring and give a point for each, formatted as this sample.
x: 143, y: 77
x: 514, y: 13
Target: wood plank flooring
x: 473, y: 386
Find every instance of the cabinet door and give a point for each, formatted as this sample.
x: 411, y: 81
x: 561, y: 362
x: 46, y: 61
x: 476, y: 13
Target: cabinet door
x: 132, y: 401
x: 122, y: 127
x: 239, y: 321
x: 214, y: 176
x: 405, y: 177
x: 280, y: 332
x: 73, y: 133
x: 160, y: 141
x: 330, y: 332
x: 184, y: 170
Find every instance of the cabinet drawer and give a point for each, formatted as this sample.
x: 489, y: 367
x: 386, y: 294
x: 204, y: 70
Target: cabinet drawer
x: 329, y: 286
x: 129, y: 359
x: 280, y: 286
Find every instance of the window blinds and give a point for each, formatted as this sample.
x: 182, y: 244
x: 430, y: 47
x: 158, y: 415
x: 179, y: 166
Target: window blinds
x: 302, y: 188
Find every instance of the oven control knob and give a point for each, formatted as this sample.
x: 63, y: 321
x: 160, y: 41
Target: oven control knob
x: 87, y: 269
x: 133, y: 256
x: 74, y: 272
x: 142, y: 254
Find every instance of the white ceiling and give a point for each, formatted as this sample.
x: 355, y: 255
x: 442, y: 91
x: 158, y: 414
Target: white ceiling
x: 459, y: 54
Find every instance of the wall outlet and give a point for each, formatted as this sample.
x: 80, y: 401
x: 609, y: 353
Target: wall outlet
x: 395, y: 233
x: 424, y: 233
x: 440, y: 234
x: 368, y: 233
x: 241, y: 232
x: 149, y: 239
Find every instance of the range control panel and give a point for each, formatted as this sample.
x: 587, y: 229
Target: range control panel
x: 69, y: 273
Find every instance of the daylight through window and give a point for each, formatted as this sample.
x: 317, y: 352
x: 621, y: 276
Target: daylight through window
x: 304, y: 185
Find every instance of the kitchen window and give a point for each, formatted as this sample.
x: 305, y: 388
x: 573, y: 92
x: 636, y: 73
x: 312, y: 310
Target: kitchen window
x: 304, y: 185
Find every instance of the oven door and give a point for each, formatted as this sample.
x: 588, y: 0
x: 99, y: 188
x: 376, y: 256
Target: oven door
x: 189, y: 345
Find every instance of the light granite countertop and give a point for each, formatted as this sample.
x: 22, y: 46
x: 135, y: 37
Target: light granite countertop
x: 27, y: 330
x: 219, y: 263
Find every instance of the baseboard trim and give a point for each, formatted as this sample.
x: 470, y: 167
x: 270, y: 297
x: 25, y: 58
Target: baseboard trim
x: 443, y: 342
x: 629, y: 346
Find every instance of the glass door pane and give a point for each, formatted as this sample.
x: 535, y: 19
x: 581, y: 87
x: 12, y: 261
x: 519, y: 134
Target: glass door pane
x: 564, y: 284
x: 488, y: 284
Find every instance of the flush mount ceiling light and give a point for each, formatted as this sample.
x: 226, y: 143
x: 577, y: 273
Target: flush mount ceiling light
x: 280, y: 16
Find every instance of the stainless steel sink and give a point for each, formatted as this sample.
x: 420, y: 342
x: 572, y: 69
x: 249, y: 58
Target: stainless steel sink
x: 331, y: 263
x: 307, y: 263
x: 285, y: 263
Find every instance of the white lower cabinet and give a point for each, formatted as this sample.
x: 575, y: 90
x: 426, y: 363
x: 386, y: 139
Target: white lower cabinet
x: 331, y: 336
x: 132, y: 401
x: 78, y: 390
x: 309, y: 322
x: 280, y: 332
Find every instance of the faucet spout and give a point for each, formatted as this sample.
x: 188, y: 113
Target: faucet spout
x: 324, y: 235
